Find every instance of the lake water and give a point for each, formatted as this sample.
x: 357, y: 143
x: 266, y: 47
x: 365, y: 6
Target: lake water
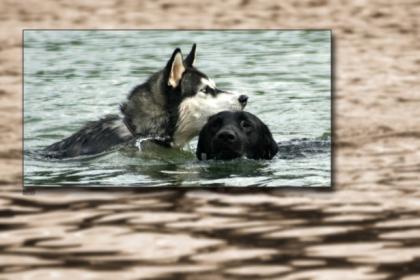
x: 71, y: 77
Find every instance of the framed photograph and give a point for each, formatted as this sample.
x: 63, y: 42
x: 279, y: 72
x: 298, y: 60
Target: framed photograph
x: 169, y: 108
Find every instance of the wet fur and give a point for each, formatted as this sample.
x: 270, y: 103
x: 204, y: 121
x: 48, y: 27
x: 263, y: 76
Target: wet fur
x: 93, y: 138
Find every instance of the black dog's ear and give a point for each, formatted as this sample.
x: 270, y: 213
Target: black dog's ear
x: 203, y: 143
x: 174, y: 68
x: 190, y: 59
x: 269, y: 147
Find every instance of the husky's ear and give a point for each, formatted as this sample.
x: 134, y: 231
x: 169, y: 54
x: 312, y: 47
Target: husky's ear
x: 190, y: 59
x: 175, y: 68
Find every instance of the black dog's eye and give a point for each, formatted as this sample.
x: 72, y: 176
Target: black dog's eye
x: 215, y: 124
x: 246, y: 125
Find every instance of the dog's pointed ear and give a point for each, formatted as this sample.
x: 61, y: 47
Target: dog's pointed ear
x: 190, y: 59
x: 175, y: 68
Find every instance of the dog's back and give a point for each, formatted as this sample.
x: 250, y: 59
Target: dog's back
x: 95, y: 137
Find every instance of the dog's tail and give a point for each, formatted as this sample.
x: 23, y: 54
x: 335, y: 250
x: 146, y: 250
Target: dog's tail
x: 95, y: 137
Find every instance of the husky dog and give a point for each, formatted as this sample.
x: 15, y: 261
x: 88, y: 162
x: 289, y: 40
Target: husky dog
x: 171, y: 106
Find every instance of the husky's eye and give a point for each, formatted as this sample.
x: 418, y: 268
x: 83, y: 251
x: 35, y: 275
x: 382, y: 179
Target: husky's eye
x: 207, y: 90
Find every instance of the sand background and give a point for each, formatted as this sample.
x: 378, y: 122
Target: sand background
x: 368, y: 228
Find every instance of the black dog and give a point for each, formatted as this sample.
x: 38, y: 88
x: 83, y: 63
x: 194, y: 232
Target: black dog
x: 232, y: 134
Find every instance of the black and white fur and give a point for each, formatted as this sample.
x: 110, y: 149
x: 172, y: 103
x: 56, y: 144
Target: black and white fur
x: 228, y: 135
x: 171, y: 106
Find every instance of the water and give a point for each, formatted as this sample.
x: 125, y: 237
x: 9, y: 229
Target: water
x: 71, y: 77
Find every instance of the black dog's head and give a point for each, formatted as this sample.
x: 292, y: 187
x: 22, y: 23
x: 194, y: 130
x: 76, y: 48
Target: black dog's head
x: 233, y: 134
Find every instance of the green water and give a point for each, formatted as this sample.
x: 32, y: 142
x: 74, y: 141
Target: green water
x: 71, y: 77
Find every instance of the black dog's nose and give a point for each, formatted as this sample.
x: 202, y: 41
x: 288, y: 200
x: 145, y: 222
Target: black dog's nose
x: 243, y: 99
x: 226, y: 136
